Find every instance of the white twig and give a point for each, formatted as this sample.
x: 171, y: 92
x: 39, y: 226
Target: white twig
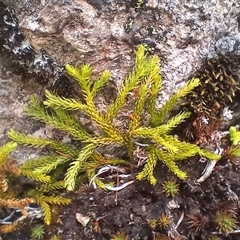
x: 4, y: 221
x: 103, y: 170
x: 119, y: 187
x: 142, y: 158
x: 207, y: 171
x: 142, y: 144
x: 31, y: 212
x: 180, y: 220
x: 120, y: 176
x: 219, y: 233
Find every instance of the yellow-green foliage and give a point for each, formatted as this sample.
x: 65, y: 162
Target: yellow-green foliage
x: 12, y: 195
x: 233, y: 152
x: 5, y: 166
x: 81, y: 163
x: 234, y: 135
x: 5, y: 150
x: 120, y: 236
x: 54, y: 237
x: 45, y: 201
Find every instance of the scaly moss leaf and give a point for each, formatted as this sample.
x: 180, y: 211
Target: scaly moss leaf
x: 5, y: 150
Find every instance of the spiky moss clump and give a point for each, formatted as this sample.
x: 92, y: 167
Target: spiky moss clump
x: 198, y: 221
x: 120, y: 236
x: 218, y: 87
x: 55, y: 237
x: 38, y: 232
x: 214, y: 237
x: 170, y: 188
x: 79, y: 164
x: 219, y: 84
x: 163, y: 222
x: 153, y: 223
x: 225, y: 221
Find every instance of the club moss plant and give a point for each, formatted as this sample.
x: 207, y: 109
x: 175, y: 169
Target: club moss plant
x: 13, y: 194
x: 79, y: 164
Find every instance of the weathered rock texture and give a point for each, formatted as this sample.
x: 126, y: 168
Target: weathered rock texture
x: 105, y: 33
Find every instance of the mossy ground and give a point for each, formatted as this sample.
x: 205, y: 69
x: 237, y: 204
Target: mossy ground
x: 139, y: 202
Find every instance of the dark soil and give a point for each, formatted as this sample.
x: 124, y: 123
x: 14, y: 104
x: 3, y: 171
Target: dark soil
x: 130, y: 209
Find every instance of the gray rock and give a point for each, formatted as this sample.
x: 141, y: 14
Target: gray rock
x: 182, y: 33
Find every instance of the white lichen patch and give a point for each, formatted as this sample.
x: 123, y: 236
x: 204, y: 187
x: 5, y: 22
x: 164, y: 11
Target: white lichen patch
x: 24, y: 45
x: 227, y: 114
x: 32, y: 24
x: 11, y: 23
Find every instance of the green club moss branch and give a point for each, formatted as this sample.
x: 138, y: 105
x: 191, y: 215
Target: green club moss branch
x: 77, y: 164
